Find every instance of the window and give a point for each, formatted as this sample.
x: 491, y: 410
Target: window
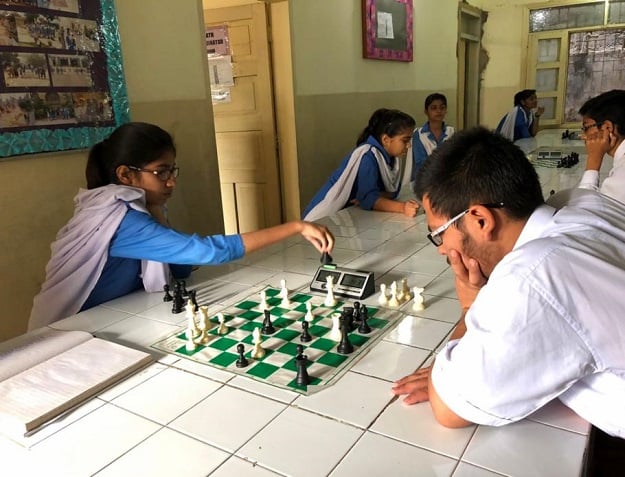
x: 575, y: 52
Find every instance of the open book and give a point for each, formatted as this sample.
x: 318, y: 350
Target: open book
x: 45, y: 372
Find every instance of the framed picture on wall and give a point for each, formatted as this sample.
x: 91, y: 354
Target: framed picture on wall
x: 387, y: 29
x: 61, y: 80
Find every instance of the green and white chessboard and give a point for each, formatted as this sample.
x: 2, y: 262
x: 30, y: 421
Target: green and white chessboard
x: 278, y: 368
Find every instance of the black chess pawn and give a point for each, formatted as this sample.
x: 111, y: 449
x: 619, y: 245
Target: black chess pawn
x: 268, y: 327
x: 183, y: 285
x: 364, y: 327
x: 178, y: 301
x: 357, y: 311
x: 193, y: 298
x: 167, y: 296
x: 345, y: 346
x: 326, y: 258
x: 300, y: 351
x: 302, y: 378
x: 305, y: 337
x: 242, y: 362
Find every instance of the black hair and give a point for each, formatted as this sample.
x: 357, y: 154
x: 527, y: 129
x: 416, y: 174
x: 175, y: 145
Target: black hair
x: 607, y: 106
x: 523, y: 95
x: 386, y: 121
x: 433, y: 97
x: 132, y: 144
x: 478, y: 166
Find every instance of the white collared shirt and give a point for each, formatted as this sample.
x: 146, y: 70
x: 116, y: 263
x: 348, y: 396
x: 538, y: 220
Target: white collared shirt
x: 549, y: 323
x: 614, y: 184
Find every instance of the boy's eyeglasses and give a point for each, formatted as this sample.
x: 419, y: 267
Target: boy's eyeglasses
x: 435, y: 235
x: 586, y: 127
x: 161, y: 174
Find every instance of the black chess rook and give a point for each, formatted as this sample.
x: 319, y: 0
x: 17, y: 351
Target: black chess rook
x: 302, y: 378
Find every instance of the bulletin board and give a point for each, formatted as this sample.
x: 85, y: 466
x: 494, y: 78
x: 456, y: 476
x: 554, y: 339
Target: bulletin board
x: 387, y: 29
x: 61, y: 83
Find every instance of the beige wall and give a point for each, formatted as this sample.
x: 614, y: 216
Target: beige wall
x: 165, y: 67
x: 336, y: 90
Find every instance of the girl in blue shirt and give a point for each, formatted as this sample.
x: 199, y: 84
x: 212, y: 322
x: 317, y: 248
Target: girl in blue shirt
x: 370, y: 176
x: 432, y: 134
x: 521, y: 122
x: 119, y: 239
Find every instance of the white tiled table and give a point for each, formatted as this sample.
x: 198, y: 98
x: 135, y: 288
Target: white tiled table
x: 178, y: 417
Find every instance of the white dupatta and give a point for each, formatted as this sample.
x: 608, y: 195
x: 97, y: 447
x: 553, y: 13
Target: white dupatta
x: 337, y: 196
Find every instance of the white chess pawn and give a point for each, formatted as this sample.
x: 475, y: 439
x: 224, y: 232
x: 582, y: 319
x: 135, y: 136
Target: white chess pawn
x: 335, y: 332
x: 417, y: 304
x: 190, y: 345
x: 406, y: 295
x: 263, y: 301
x: 191, y: 325
x: 258, y: 352
x: 223, y: 329
x: 393, y: 302
x: 309, y: 314
x: 205, y: 323
x: 284, y: 294
x: 330, y: 300
x: 383, y: 299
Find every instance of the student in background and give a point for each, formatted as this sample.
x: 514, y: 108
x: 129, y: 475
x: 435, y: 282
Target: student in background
x: 120, y: 240
x: 603, y: 129
x: 521, y: 122
x: 429, y: 136
x: 370, y: 176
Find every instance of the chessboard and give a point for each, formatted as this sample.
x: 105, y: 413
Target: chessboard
x: 282, y: 348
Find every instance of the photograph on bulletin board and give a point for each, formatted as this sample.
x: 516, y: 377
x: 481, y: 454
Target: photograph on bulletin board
x: 387, y: 29
x: 61, y: 83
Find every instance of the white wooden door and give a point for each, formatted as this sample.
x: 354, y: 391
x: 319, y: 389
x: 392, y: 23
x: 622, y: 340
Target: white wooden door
x: 245, y: 126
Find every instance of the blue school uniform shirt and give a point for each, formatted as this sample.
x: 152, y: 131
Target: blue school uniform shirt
x: 368, y: 184
x: 140, y: 237
x: 522, y: 125
x: 419, y: 153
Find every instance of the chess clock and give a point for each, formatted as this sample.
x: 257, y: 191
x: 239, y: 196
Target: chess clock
x: 356, y: 284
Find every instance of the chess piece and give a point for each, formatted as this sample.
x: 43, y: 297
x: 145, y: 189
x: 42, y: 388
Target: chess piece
x: 417, y: 304
x: 347, y: 315
x: 383, y: 299
x: 205, y: 322
x: 393, y: 301
x: 263, y: 301
x: 357, y: 311
x: 300, y: 351
x: 258, y: 352
x: 284, y: 294
x: 204, y: 337
x: 335, y: 332
x: 192, y: 297
x: 330, y: 300
x: 223, y: 329
x: 405, y: 289
x: 167, y: 296
x: 345, y: 346
x: 326, y: 258
x: 242, y: 362
x: 302, y: 378
x: 268, y: 327
x: 191, y: 325
x: 364, y: 328
x: 190, y: 344
x: 183, y: 287
x: 178, y: 301
x: 305, y: 336
x: 309, y: 314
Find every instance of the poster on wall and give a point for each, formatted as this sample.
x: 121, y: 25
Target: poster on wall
x: 61, y: 81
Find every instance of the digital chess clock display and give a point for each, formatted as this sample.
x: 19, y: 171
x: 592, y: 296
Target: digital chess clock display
x: 348, y: 283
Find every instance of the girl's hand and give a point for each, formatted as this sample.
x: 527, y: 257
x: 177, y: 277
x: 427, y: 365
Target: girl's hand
x: 410, y: 208
x: 319, y: 235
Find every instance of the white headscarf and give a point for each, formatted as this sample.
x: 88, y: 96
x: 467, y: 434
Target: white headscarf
x: 80, y: 252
